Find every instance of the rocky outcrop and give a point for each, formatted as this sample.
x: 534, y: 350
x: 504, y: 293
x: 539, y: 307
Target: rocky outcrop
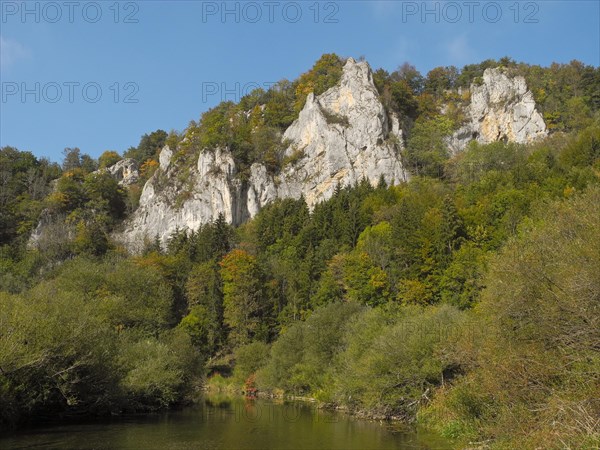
x: 166, y: 207
x: 125, y: 171
x: 164, y: 158
x: 340, y: 137
x: 501, y: 109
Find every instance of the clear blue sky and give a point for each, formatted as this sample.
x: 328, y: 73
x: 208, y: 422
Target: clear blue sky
x: 177, y: 46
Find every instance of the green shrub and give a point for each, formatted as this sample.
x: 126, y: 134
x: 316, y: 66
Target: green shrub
x: 93, y: 338
x: 123, y: 293
x: 393, y: 362
x: 302, y: 358
x: 248, y: 359
x: 335, y: 119
x: 157, y: 371
x: 55, y: 354
x: 108, y: 158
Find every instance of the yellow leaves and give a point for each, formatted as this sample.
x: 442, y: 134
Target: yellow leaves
x: 57, y: 200
x: 153, y: 259
x: 102, y: 292
x: 379, y: 281
x: 148, y: 168
x: 236, y: 264
x: 540, y: 95
x: 24, y: 226
x: 568, y: 191
x: 257, y: 117
x: 304, y: 89
x: 75, y: 218
x: 242, y: 295
x: 413, y: 292
x: 362, y: 281
x: 76, y: 174
x: 324, y: 74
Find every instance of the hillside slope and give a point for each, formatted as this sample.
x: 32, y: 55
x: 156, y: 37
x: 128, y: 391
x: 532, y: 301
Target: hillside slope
x: 340, y: 137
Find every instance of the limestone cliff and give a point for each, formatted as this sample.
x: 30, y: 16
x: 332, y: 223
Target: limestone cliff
x: 216, y: 190
x: 501, y: 109
x: 340, y: 137
x: 343, y: 135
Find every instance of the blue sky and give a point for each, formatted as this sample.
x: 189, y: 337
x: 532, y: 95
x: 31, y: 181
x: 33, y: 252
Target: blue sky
x: 166, y: 54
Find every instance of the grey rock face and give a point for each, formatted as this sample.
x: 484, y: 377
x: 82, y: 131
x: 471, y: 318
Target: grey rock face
x: 501, y: 108
x: 50, y: 230
x: 216, y: 190
x: 340, y: 137
x: 165, y: 157
x: 125, y: 171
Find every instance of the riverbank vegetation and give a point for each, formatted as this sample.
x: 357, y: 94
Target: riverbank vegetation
x: 467, y: 299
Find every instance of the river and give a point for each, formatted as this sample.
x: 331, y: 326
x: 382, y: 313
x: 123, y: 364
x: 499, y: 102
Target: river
x: 228, y: 423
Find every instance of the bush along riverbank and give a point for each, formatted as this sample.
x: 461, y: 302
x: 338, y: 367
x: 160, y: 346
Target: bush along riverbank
x: 524, y: 358
x: 379, y: 363
x: 92, y: 340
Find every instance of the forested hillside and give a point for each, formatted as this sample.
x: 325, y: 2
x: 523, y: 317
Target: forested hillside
x: 466, y: 299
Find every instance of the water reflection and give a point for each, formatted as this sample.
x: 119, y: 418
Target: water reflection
x: 221, y: 422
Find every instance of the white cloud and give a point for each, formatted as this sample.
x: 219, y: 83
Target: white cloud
x: 459, y: 51
x: 403, y: 49
x: 11, y: 52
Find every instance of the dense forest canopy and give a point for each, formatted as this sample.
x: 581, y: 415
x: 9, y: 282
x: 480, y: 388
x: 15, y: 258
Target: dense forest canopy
x: 466, y: 298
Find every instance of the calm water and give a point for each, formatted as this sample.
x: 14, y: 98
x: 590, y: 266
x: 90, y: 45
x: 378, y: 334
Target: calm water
x: 228, y: 424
